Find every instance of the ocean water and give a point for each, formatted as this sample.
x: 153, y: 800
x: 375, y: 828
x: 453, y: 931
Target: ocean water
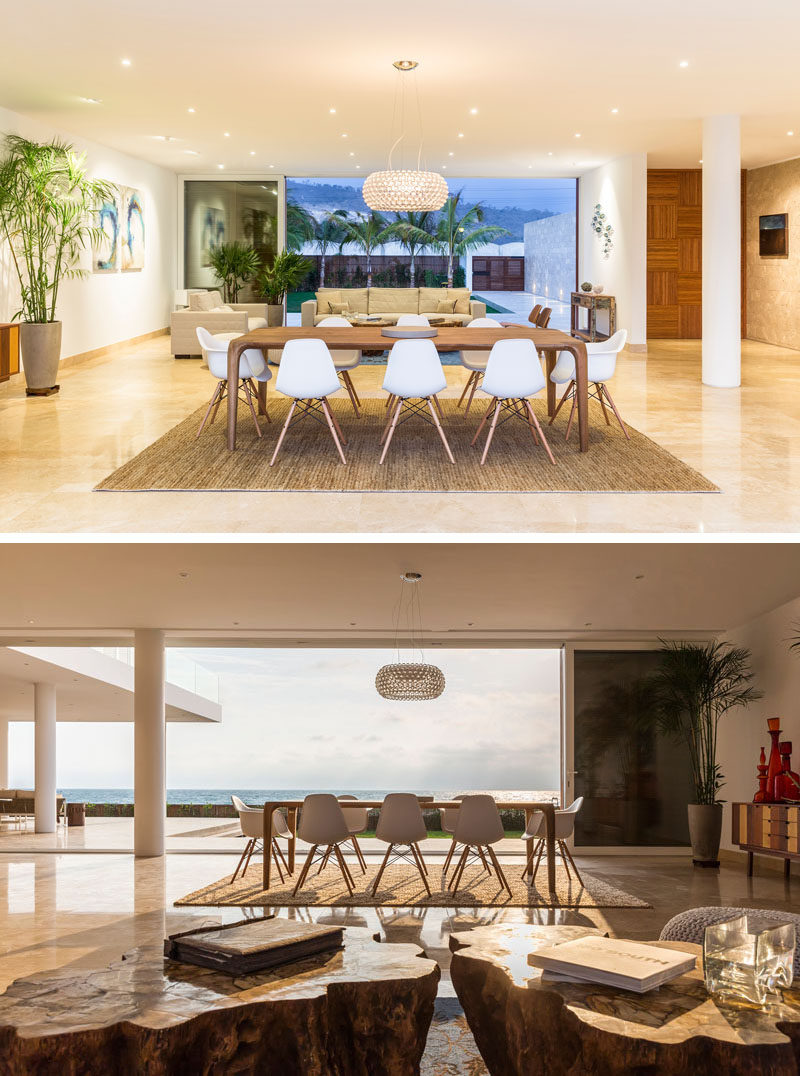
x: 260, y: 795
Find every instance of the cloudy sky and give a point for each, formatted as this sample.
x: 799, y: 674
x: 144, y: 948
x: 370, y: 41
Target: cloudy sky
x: 313, y: 719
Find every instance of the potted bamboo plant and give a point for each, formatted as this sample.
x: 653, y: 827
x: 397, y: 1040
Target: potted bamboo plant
x: 274, y: 281
x: 47, y: 207
x: 696, y: 685
x: 234, y: 264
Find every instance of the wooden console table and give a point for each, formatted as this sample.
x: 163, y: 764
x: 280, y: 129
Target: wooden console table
x: 9, y: 350
x: 768, y: 829
x: 587, y: 300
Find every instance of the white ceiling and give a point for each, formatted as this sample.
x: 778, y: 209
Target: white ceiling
x: 537, y: 73
x: 347, y: 591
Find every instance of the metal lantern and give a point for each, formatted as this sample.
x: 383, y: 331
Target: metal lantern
x: 410, y: 681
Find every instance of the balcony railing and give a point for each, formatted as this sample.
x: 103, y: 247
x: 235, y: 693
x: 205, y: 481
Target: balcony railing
x: 181, y: 670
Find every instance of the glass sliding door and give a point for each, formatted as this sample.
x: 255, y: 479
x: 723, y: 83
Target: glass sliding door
x: 635, y: 782
x: 219, y: 211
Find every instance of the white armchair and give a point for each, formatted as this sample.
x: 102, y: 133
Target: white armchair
x: 208, y: 311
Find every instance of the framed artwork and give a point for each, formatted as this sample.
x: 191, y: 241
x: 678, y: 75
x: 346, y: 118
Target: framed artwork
x: 212, y: 231
x: 132, y: 231
x: 105, y: 247
x: 773, y: 235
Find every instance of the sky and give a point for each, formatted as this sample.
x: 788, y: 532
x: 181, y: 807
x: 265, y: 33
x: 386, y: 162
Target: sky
x: 303, y: 718
x: 557, y: 195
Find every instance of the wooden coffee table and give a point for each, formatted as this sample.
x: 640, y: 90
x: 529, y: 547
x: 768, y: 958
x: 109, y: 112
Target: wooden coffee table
x: 361, y: 1010
x: 525, y: 1026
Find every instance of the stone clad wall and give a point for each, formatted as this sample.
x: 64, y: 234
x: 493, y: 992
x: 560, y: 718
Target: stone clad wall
x: 550, y: 256
x: 773, y: 284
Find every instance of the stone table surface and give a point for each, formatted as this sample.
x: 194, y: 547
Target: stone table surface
x: 358, y: 1011
x: 523, y: 1024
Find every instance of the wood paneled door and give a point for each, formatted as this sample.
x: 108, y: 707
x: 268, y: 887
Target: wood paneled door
x: 498, y: 274
x: 675, y: 254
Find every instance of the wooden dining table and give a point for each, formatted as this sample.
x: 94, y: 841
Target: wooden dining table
x: 529, y: 807
x: 368, y: 338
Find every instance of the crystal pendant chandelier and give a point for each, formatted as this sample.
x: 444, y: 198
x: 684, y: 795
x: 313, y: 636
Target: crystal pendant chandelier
x: 404, y: 190
x: 410, y: 680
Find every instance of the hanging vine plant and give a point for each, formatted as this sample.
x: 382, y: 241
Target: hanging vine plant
x: 603, y: 230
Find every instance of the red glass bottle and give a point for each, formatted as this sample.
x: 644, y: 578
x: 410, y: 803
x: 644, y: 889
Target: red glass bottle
x: 787, y: 783
x: 774, y: 767
x: 761, y: 795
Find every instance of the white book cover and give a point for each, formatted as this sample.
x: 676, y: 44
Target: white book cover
x: 614, y: 962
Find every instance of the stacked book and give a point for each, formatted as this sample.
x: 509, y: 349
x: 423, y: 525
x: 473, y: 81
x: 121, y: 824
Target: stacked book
x: 252, y: 945
x: 626, y: 965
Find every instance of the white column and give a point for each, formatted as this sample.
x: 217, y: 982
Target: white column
x: 149, y: 744
x: 722, y: 251
x: 4, y: 767
x: 44, y: 757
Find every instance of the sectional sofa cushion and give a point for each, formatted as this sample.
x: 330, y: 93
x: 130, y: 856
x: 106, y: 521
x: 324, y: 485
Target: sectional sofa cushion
x: 204, y: 301
x: 429, y: 299
x: 356, y: 299
x: 393, y: 300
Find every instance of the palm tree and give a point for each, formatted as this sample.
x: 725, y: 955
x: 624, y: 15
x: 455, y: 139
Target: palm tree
x: 329, y: 232
x: 368, y: 233
x: 458, y: 231
x: 300, y: 225
x: 415, y: 233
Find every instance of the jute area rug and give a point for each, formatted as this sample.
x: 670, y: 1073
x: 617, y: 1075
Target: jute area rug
x: 401, y: 887
x: 416, y: 461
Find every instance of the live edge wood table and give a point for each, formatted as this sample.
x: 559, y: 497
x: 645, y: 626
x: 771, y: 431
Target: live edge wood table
x: 526, y: 1027
x: 368, y: 338
x: 530, y: 808
x: 358, y: 1011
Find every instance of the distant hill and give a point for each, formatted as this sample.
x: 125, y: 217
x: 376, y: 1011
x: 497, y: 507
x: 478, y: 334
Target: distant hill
x: 321, y: 198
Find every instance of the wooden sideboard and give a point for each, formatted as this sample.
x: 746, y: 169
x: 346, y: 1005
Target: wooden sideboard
x: 591, y: 303
x: 767, y: 829
x: 9, y: 350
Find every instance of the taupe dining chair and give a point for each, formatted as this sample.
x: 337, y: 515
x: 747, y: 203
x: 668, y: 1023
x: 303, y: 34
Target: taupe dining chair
x: 565, y: 827
x: 402, y: 827
x: 323, y: 826
x: 251, y: 819
x: 356, y: 819
x: 477, y: 829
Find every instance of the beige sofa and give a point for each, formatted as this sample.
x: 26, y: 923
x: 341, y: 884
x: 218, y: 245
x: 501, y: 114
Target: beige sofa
x: 390, y: 303
x: 207, y: 311
x: 22, y: 804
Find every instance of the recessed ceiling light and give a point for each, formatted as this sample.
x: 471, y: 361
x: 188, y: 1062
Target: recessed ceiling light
x: 190, y: 110
x: 227, y: 134
x: 344, y: 134
x: 700, y: 161
x: 90, y: 100
x: 272, y: 166
x: 125, y: 63
x: 444, y: 167
x: 352, y: 153
x: 332, y: 111
x: 614, y: 111
x: 530, y: 166
x: 358, y: 166
x: 220, y: 166
x: 252, y: 153
x: 549, y: 153
x: 460, y: 134
x: 473, y: 112
x: 451, y: 154
x: 577, y: 134
x: 790, y: 133
x: 683, y: 63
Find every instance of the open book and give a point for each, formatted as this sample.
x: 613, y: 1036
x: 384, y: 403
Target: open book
x: 626, y: 965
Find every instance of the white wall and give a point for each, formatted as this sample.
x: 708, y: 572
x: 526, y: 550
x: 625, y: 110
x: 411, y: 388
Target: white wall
x: 621, y: 188
x: 744, y: 732
x: 106, y: 308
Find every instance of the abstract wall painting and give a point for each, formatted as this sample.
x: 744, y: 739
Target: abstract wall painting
x: 132, y: 231
x: 105, y: 247
x: 212, y: 231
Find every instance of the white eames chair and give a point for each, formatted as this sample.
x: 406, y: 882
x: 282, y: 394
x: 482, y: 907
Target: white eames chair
x: 402, y: 827
x: 414, y: 376
x: 356, y: 819
x: 475, y: 361
x: 413, y: 319
x: 307, y: 375
x: 513, y: 373
x: 344, y: 361
x: 252, y: 366
x: 477, y: 829
x: 323, y: 826
x: 602, y: 362
x: 251, y: 820
x: 564, y: 828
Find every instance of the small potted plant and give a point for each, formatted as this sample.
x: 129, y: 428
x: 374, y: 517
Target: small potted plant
x: 234, y: 264
x: 47, y: 216
x: 274, y: 281
x: 695, y: 686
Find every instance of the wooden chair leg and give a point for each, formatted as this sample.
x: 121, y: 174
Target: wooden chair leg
x: 269, y: 850
x: 571, y: 416
x: 438, y: 426
x: 332, y: 428
x: 607, y: 395
x: 305, y: 870
x: 359, y: 854
x: 475, y: 383
x: 600, y: 400
x: 435, y: 399
x: 249, y: 397
x: 568, y: 854
x: 484, y: 861
x: 283, y: 432
x: 217, y: 391
x: 389, y: 420
x: 422, y: 861
x: 499, y: 869
x: 459, y: 871
x: 528, y: 868
x: 348, y: 881
x: 241, y: 860
x: 348, y: 384
x: 560, y: 851
x: 490, y: 434
x: 561, y: 402
x: 381, y: 869
x: 390, y: 433
x: 542, y: 845
x: 467, y: 384
x: 420, y: 867
x: 220, y: 398
x: 448, y: 858
x: 539, y: 430
x: 279, y: 851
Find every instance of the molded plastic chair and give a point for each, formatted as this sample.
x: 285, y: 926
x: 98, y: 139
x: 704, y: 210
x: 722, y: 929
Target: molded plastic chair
x: 251, y: 820
x: 413, y: 377
x: 513, y: 373
x: 402, y: 827
x: 448, y: 819
x: 323, y: 826
x: 413, y: 319
x: 564, y: 828
x: 477, y: 829
x: 344, y: 361
x: 534, y: 314
x: 602, y: 362
x: 252, y: 364
x: 356, y: 819
x: 475, y: 361
x: 307, y: 375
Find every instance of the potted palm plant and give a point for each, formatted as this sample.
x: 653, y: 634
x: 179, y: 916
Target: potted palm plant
x: 234, y: 264
x: 274, y: 281
x: 695, y: 686
x: 47, y: 207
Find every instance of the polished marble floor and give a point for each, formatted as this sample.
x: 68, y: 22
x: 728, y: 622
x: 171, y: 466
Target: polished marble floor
x: 745, y: 440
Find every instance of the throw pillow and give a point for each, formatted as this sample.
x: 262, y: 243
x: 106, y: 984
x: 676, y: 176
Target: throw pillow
x: 446, y: 306
x: 338, y: 308
x: 224, y: 309
x: 205, y: 301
